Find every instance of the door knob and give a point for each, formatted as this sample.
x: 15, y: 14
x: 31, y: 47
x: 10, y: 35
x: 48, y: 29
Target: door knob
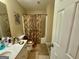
x: 51, y: 45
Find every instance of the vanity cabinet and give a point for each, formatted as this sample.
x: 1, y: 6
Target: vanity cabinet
x: 23, y: 54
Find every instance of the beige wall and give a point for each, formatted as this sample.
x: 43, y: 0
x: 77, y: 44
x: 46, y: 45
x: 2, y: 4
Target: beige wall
x: 49, y: 20
x: 12, y: 8
x: 43, y: 22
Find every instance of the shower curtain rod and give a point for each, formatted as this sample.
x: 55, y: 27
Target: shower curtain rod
x: 35, y: 14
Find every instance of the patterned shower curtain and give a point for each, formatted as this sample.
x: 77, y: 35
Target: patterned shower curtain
x: 33, y: 27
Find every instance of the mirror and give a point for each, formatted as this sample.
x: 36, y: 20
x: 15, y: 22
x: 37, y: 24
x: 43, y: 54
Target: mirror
x: 4, y: 22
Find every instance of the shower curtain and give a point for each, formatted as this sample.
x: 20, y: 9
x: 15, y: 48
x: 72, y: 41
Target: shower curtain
x: 34, y: 27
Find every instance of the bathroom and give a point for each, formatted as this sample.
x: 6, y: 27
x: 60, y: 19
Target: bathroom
x: 15, y: 23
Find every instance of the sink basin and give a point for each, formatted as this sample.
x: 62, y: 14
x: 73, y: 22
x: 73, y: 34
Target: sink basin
x: 2, y: 46
x: 6, y: 53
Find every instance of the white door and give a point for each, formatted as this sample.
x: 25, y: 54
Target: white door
x: 66, y: 30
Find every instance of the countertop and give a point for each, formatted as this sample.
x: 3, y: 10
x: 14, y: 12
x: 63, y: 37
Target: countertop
x: 12, y: 50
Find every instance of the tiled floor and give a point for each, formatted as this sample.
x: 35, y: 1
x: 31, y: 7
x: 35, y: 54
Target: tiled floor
x: 40, y: 52
x: 43, y: 57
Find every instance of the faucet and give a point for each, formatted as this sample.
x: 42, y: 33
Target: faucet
x: 15, y: 40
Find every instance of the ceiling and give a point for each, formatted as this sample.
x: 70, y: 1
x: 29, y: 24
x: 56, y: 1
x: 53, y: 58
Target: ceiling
x: 33, y: 5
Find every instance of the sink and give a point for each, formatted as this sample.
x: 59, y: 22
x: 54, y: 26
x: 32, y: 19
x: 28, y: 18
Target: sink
x: 6, y: 53
x: 4, y: 50
x: 2, y: 46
